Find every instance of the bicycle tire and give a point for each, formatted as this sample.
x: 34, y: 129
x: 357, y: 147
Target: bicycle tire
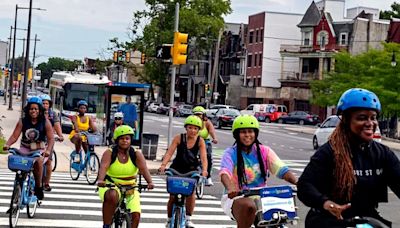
x: 200, y: 188
x: 15, y: 205
x: 73, y: 172
x: 177, y: 218
x: 128, y: 221
x: 32, y: 205
x: 53, y: 161
x: 92, y: 167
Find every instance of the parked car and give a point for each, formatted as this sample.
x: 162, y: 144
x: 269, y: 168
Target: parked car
x: 183, y: 110
x: 219, y: 106
x: 253, y: 108
x: 153, y: 107
x: 224, y: 117
x: 299, y: 117
x: 273, y: 113
x: 162, y: 109
x: 323, y: 132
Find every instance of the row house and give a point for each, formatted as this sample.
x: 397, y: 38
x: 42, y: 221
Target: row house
x: 323, y: 34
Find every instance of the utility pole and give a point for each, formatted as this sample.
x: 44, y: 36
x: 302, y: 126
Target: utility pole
x: 173, y: 75
x: 26, y: 65
x: 23, y: 70
x: 33, y: 62
x: 11, y: 77
x: 8, y: 66
x: 216, y: 62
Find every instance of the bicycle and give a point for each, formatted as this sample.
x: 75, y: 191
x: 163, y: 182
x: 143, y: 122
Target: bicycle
x: 180, y: 186
x: 364, y: 222
x: 122, y: 215
x: 54, y: 155
x: 276, y: 206
x: 24, y: 185
x: 91, y: 164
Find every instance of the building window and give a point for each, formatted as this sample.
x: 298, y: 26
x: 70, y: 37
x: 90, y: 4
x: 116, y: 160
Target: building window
x: 261, y: 35
x: 255, y: 59
x: 260, y: 60
x: 322, y: 39
x: 257, y: 36
x: 249, y: 60
x: 306, y: 38
x: 343, y: 38
x: 251, y: 35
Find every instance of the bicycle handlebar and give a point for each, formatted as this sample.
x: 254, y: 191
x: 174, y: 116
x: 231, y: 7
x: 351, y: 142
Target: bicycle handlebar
x: 173, y: 172
x: 140, y: 187
x: 256, y: 191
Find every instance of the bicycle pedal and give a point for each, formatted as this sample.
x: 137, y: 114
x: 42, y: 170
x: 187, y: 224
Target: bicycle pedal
x: 39, y: 203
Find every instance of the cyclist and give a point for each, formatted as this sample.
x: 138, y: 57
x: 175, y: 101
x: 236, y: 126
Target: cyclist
x: 207, y: 130
x: 247, y: 169
x: 36, y: 132
x: 120, y: 165
x: 349, y: 175
x: 55, y: 123
x: 188, y: 146
x: 118, y: 121
x: 81, y: 123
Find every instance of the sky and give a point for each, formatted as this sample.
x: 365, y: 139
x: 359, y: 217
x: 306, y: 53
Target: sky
x: 75, y: 29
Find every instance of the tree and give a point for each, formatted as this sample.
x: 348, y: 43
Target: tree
x: 57, y: 64
x: 388, y: 14
x: 371, y: 70
x: 19, y: 65
x: 201, y: 19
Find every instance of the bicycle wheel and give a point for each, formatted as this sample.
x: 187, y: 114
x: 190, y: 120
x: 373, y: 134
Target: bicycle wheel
x: 200, y: 188
x: 33, y: 203
x: 73, y: 167
x: 127, y: 221
x: 53, y: 161
x: 177, y: 218
x: 92, y: 168
x: 15, y: 205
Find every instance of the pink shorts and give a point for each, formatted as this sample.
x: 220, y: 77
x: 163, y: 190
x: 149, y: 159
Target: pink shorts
x: 27, y: 151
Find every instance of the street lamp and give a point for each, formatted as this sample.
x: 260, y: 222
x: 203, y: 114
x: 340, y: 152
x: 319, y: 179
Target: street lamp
x: 393, y: 62
x: 11, y: 77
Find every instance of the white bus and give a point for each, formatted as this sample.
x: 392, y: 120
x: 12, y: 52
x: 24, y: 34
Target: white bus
x: 67, y: 88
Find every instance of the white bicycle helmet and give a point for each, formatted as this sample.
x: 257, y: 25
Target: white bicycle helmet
x: 118, y: 115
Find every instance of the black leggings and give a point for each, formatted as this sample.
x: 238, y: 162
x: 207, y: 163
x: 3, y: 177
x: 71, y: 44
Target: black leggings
x: 209, y: 159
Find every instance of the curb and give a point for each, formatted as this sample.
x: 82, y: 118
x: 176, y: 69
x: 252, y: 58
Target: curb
x: 391, y: 139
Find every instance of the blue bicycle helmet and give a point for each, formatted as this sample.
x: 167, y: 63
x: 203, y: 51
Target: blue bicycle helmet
x: 82, y: 102
x: 34, y: 100
x: 45, y: 97
x: 358, y: 98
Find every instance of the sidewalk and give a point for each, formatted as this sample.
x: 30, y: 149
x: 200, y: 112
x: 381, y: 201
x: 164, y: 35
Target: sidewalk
x: 391, y: 143
x: 8, y: 120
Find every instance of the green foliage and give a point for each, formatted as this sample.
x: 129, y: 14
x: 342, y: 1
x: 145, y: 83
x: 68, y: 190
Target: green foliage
x: 155, y: 26
x: 388, y: 14
x: 19, y: 65
x: 57, y: 64
x: 371, y: 70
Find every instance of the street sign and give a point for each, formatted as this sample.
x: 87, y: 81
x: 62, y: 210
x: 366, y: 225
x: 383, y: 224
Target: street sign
x: 163, y: 52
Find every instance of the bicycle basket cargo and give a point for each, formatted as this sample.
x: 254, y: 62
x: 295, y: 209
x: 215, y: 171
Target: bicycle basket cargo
x: 181, y: 185
x: 17, y: 162
x: 95, y: 140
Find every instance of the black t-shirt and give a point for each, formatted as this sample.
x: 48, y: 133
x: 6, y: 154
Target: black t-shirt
x: 186, y: 159
x: 375, y: 166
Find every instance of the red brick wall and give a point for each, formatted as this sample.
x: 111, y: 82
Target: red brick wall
x: 324, y: 25
x: 256, y: 21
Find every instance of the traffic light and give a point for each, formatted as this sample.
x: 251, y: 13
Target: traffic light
x: 143, y: 58
x: 207, y: 88
x: 115, y: 56
x: 128, y: 56
x: 179, y: 48
x: 30, y: 72
x: 6, y: 72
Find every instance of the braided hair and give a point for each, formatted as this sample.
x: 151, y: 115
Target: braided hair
x: 241, y: 173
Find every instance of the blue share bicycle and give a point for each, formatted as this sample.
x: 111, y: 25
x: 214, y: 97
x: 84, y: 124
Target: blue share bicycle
x: 276, y: 206
x: 24, y: 185
x: 180, y: 186
x: 364, y: 222
x: 90, y: 165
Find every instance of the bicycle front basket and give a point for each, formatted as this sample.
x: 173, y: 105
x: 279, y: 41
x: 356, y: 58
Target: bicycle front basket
x: 96, y: 140
x: 17, y: 162
x: 181, y: 185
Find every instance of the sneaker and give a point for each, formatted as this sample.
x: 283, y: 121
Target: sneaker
x: 168, y: 223
x: 39, y: 193
x: 47, y: 188
x: 189, y: 224
x: 77, y: 158
x: 209, y: 182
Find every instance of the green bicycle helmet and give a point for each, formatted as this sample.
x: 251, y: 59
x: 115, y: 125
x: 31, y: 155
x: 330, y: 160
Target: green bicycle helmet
x: 245, y: 121
x: 123, y: 130
x: 194, y: 120
x: 198, y: 110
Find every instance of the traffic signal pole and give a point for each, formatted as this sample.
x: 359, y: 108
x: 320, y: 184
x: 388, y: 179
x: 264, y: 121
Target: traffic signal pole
x: 173, y: 75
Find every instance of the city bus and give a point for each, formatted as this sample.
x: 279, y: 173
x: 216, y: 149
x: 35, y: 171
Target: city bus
x: 67, y: 88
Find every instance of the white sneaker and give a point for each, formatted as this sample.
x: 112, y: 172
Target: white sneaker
x: 209, y: 182
x: 189, y: 224
x: 167, y: 224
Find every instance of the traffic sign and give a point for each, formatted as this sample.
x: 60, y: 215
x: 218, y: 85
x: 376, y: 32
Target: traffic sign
x: 163, y: 52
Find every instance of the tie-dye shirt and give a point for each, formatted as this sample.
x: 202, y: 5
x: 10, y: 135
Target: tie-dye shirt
x: 252, y: 167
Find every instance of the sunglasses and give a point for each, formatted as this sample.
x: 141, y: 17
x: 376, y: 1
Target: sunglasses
x: 118, y: 118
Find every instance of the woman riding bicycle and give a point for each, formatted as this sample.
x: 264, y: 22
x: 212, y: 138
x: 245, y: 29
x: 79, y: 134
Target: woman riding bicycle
x: 120, y: 165
x: 348, y: 176
x: 81, y: 123
x: 205, y: 132
x: 188, y: 147
x: 55, y: 123
x: 118, y: 121
x: 247, y: 169
x: 36, y: 132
